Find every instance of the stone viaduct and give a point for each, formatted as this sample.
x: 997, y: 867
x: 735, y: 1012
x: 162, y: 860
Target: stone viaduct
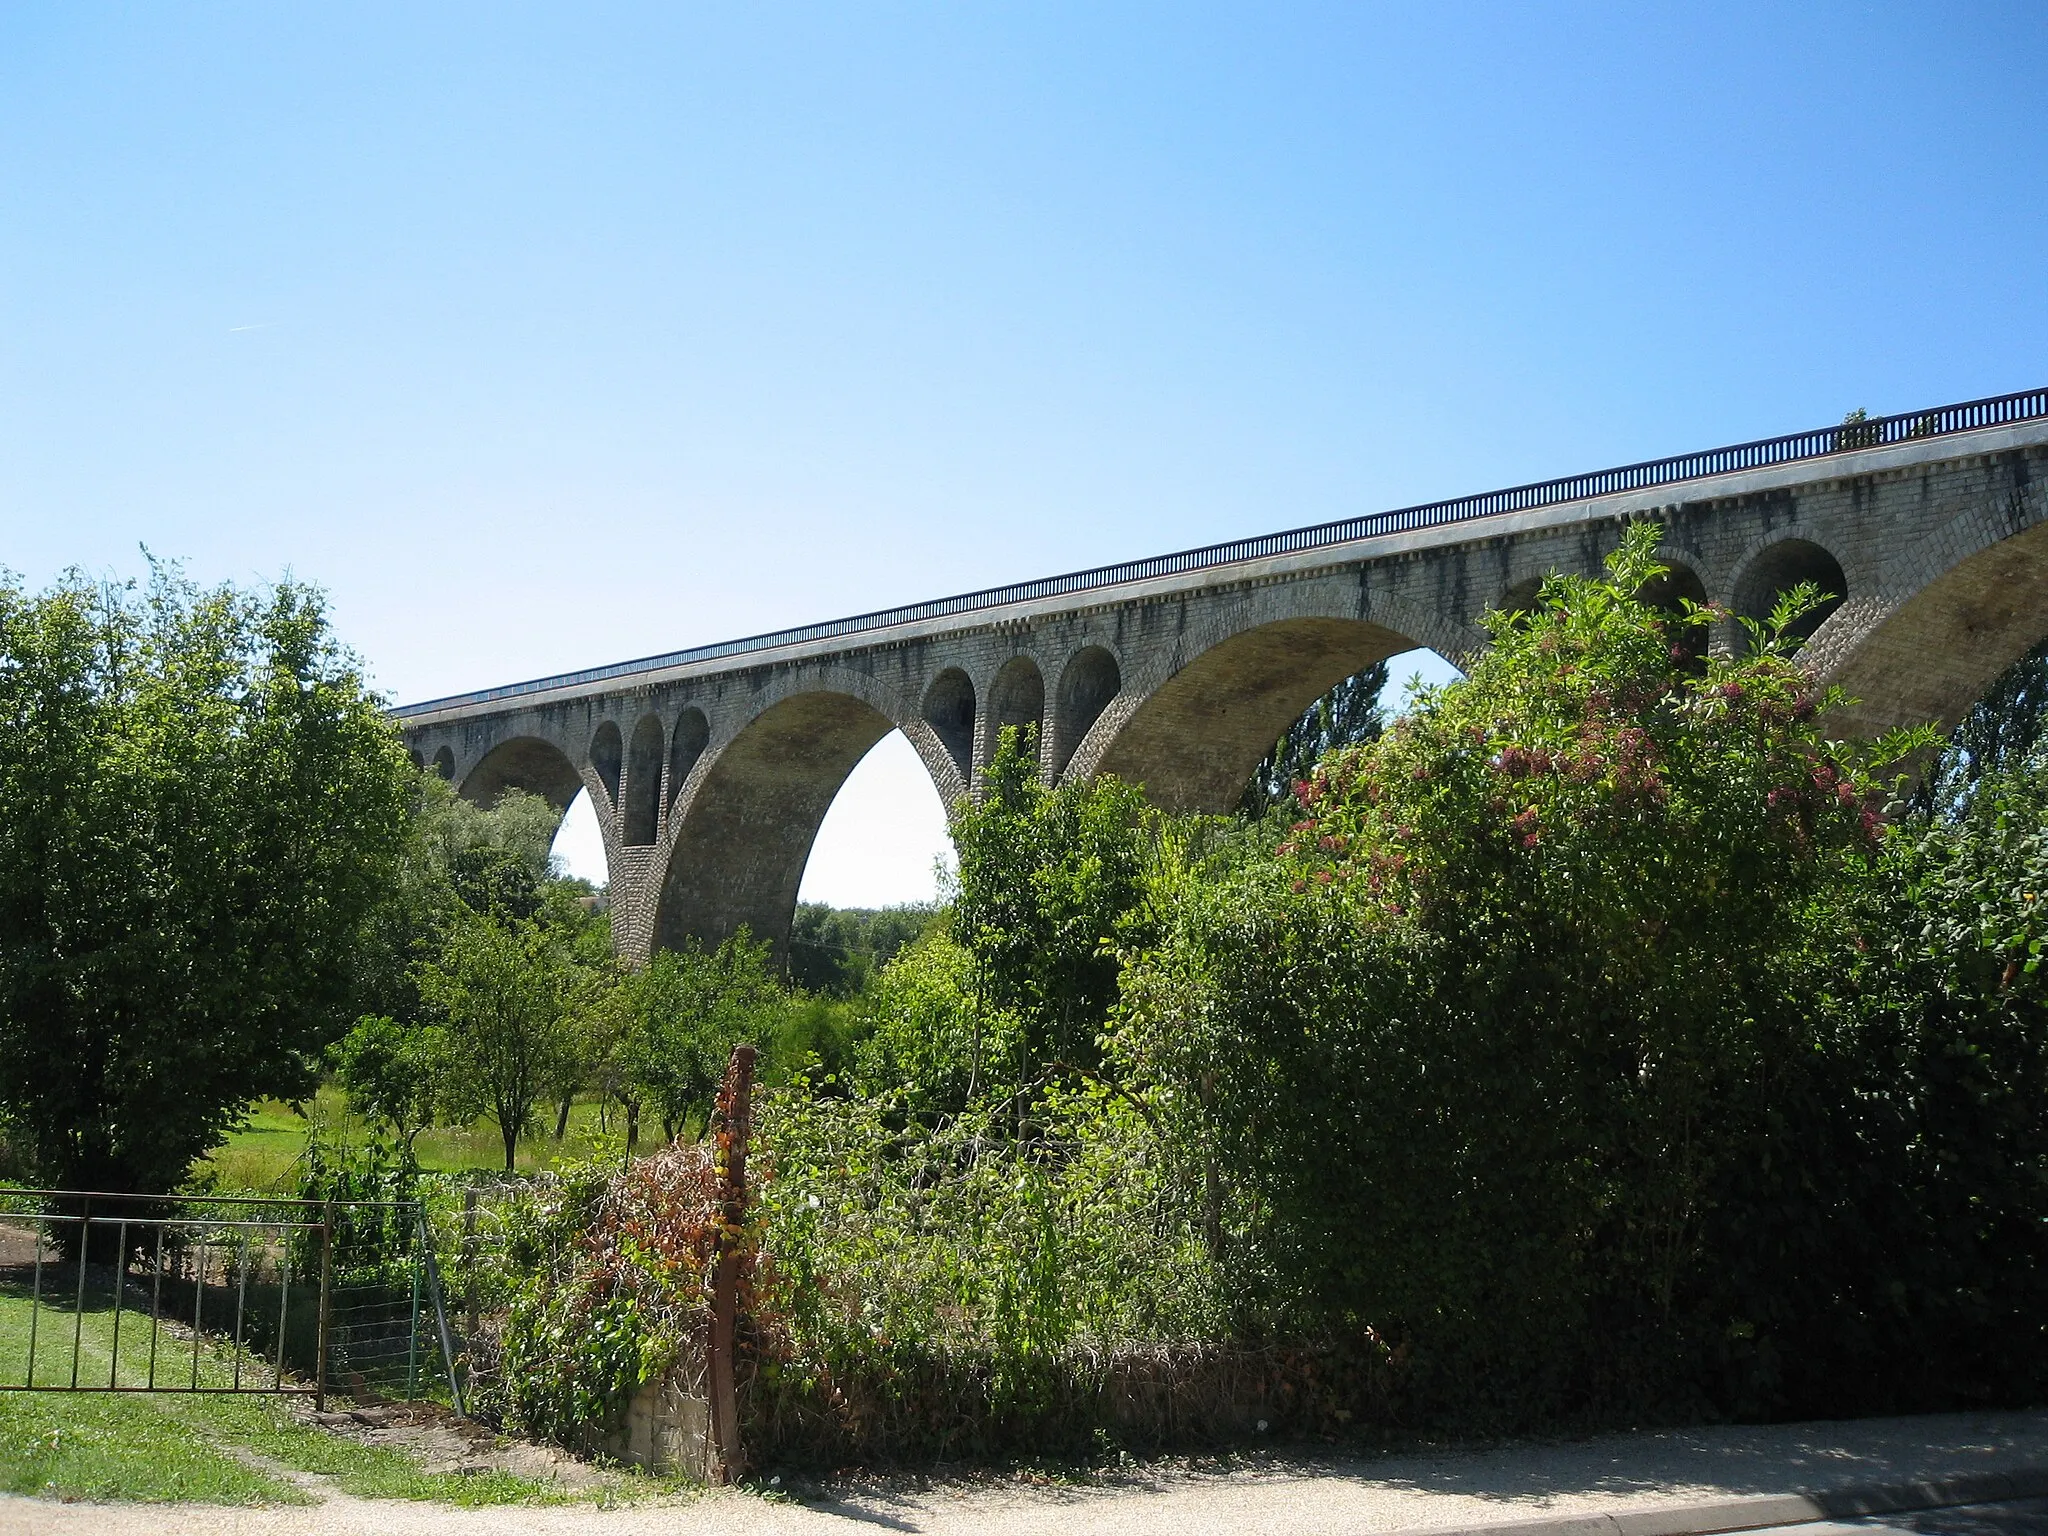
x: 711, y: 768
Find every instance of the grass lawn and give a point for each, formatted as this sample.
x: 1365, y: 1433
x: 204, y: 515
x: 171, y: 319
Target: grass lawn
x: 261, y: 1155
x: 168, y: 1447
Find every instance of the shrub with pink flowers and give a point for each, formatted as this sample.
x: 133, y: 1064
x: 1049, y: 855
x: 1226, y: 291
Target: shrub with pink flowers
x: 1536, y: 1049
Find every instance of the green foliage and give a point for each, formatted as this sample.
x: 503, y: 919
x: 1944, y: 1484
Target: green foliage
x: 1594, y: 1044
x: 940, y: 1287
x: 2001, y: 735
x: 679, y: 1019
x: 205, y: 813
x: 836, y: 951
x: 508, y: 995
x: 1047, y: 878
x: 1349, y: 715
x: 933, y: 1039
x: 394, y: 1074
x: 1528, y: 990
x: 598, y: 1282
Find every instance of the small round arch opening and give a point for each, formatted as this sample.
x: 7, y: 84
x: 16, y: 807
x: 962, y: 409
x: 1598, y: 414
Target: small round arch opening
x: 1522, y: 597
x: 607, y: 756
x: 642, y: 786
x: 692, y: 736
x: 1087, y: 685
x: 1680, y: 584
x: 1778, y: 570
x: 949, y: 711
x: 1017, y: 700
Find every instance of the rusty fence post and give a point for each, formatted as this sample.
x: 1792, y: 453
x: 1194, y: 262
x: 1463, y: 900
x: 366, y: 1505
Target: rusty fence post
x: 326, y: 1305
x: 730, y: 1124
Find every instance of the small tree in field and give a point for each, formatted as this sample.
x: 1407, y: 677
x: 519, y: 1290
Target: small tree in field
x: 678, y: 1020
x: 394, y: 1074
x: 506, y: 993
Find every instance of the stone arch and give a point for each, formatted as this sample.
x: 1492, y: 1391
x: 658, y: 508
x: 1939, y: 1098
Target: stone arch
x: 607, y: 757
x: 949, y: 711
x: 1778, y: 568
x: 1680, y: 584
x: 1091, y: 680
x: 419, y: 763
x: 523, y: 762
x: 1929, y: 658
x: 642, y: 819
x: 444, y: 763
x: 692, y: 735
x: 1016, y: 698
x: 1522, y: 596
x: 740, y: 838
x: 1194, y: 742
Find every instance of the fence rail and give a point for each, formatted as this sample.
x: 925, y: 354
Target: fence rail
x: 1878, y: 431
x: 108, y: 1292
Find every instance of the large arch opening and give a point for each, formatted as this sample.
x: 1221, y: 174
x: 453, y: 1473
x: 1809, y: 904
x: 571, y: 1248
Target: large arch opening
x: 1778, y: 570
x: 883, y: 838
x: 1087, y: 685
x: 749, y: 826
x: 578, y: 849
x: 1194, y: 743
x: 642, y: 786
x: 1933, y: 656
x: 524, y: 762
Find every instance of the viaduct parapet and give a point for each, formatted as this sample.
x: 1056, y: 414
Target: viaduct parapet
x: 711, y: 769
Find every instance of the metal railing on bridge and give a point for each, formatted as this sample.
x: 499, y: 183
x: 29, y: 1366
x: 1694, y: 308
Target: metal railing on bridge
x: 1877, y: 431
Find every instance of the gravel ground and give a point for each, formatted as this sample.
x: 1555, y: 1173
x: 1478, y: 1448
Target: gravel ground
x: 1267, y: 1495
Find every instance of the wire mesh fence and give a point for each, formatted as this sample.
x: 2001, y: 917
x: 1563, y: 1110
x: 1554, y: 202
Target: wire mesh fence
x: 103, y: 1292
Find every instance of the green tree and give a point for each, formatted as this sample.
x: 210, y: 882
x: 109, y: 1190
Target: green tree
x: 679, y: 1019
x: 1349, y: 715
x: 205, y: 811
x: 837, y: 950
x: 507, y: 993
x: 931, y: 1036
x: 394, y: 1075
x: 458, y: 856
x: 2001, y: 736
x: 1048, y: 878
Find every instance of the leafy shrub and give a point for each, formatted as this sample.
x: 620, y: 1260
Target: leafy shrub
x: 597, y: 1282
x: 956, y: 1285
x: 1543, y: 1048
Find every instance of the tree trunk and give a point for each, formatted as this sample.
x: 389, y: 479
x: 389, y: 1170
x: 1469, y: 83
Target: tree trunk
x: 509, y: 1129
x: 562, y: 1120
x: 632, y: 1128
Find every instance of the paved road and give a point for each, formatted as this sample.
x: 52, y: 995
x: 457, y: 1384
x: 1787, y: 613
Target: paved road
x: 2022, y: 1517
x: 1277, y: 1495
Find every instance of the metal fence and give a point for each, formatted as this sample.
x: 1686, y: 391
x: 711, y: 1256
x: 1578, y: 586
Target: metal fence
x: 104, y: 1292
x: 1877, y: 431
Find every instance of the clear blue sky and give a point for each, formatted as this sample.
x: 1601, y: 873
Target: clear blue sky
x: 544, y: 338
